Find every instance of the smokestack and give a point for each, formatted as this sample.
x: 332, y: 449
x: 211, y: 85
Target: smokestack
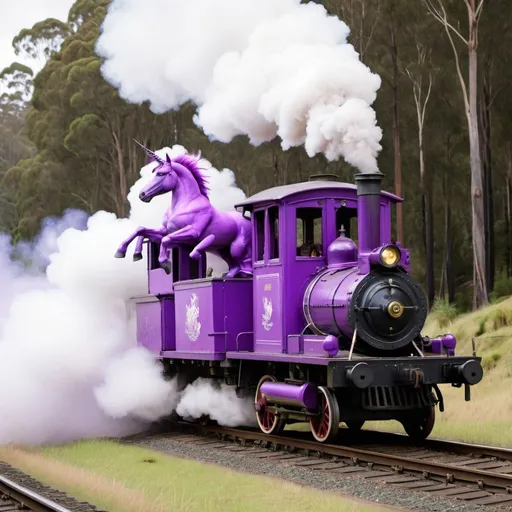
x: 368, y: 211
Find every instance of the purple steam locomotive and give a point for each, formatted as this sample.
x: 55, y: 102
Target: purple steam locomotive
x: 314, y: 327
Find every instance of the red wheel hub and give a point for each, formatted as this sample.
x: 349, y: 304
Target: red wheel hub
x: 321, y: 423
x: 269, y: 422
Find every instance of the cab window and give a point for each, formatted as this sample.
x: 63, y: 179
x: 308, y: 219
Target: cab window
x: 309, y: 232
x: 273, y: 226
x: 259, y: 239
x: 346, y: 219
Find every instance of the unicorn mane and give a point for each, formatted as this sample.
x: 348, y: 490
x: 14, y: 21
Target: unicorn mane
x: 191, y: 163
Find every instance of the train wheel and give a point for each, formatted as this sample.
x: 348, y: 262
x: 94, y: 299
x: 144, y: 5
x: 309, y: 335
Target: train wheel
x: 419, y: 427
x: 268, y: 422
x: 324, y: 427
x: 355, y: 425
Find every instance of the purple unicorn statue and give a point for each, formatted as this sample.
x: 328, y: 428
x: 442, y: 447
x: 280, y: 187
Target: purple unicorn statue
x: 191, y: 219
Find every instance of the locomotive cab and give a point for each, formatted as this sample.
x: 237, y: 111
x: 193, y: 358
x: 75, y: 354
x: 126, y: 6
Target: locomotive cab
x: 296, y: 233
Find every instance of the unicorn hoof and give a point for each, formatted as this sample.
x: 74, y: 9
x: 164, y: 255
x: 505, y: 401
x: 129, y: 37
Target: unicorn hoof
x: 195, y: 255
x: 137, y: 256
x: 167, y: 267
x: 119, y: 254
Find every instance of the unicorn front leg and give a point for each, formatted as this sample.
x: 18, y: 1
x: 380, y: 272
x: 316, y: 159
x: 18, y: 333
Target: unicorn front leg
x: 186, y: 234
x: 137, y: 253
x: 153, y: 234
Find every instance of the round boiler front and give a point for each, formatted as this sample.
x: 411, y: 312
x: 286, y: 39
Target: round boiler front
x: 387, y: 307
x: 326, y: 302
x: 389, y: 310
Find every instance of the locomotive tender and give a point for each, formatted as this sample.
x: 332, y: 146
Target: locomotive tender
x: 324, y: 331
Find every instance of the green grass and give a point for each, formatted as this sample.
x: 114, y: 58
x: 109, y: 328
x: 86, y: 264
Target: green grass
x: 487, y: 418
x: 126, y: 478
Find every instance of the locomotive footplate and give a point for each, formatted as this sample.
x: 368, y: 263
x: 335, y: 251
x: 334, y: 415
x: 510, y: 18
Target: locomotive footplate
x: 366, y: 372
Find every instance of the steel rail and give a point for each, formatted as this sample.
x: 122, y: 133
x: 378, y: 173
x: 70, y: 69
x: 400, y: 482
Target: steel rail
x: 448, y: 472
x: 28, y: 498
x: 436, y: 444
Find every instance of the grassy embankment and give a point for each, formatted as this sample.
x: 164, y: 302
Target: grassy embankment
x: 130, y: 479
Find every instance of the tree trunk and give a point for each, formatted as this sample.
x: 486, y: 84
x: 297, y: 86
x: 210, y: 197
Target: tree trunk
x: 428, y: 230
x: 123, y: 185
x: 396, y: 138
x: 276, y: 169
x: 485, y: 140
x: 508, y: 216
x: 448, y: 242
x: 429, y: 248
x: 450, y: 283
x: 480, y: 297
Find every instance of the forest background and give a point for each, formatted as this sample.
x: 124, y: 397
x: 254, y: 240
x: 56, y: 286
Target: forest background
x: 66, y: 138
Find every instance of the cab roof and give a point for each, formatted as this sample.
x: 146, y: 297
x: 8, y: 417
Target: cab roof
x: 285, y: 191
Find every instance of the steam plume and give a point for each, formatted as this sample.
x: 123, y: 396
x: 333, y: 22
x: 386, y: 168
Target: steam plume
x: 263, y: 68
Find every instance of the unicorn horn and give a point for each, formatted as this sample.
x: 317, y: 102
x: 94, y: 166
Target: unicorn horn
x: 152, y: 154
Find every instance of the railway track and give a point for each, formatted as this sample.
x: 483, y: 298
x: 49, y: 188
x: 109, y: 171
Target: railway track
x: 475, y: 474
x: 15, y: 497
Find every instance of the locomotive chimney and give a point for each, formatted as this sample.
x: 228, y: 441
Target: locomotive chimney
x: 368, y: 211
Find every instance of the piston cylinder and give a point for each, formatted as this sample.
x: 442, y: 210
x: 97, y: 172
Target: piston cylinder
x: 289, y: 394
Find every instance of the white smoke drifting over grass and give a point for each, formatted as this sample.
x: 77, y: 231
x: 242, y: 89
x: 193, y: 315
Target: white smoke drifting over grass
x: 263, y: 68
x: 70, y: 365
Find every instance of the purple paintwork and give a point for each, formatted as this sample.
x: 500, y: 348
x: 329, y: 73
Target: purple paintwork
x: 155, y: 323
x: 168, y: 323
x: 331, y: 345
x: 191, y: 219
x: 442, y: 344
x: 268, y: 314
x: 149, y: 323
x: 288, y: 394
x: 327, y: 299
x: 161, y: 283
x: 341, y: 253
x: 212, y: 315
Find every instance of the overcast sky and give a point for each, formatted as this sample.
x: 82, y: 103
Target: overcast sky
x: 18, y: 14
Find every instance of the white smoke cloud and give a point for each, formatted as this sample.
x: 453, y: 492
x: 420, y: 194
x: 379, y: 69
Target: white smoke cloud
x: 263, y: 68
x: 70, y: 364
x: 201, y: 398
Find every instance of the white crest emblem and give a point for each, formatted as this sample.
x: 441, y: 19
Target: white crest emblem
x: 267, y: 314
x: 192, y: 325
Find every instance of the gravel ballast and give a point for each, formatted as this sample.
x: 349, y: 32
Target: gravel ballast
x: 356, y: 487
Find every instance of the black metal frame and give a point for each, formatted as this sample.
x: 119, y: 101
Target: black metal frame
x: 405, y: 371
